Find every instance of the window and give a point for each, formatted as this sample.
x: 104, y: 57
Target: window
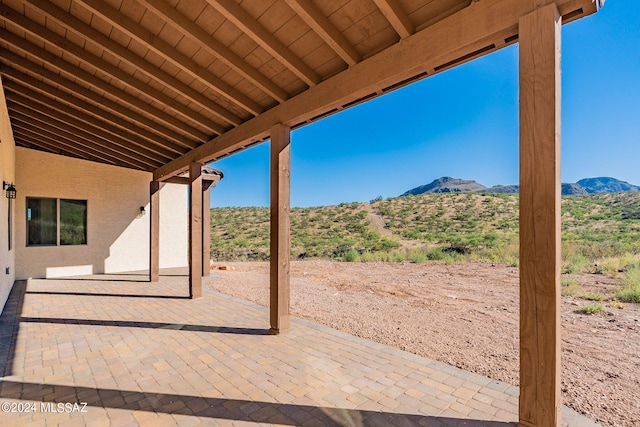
x: 73, y: 222
x: 43, y: 224
x: 42, y: 219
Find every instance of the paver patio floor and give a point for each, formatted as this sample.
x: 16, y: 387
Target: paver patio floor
x: 139, y: 353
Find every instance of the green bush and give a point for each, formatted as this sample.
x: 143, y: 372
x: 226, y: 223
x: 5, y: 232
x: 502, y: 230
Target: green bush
x: 630, y: 286
x: 575, y: 264
x: 417, y: 257
x: 570, y: 287
x: 352, y: 255
x: 592, y: 308
x: 593, y: 296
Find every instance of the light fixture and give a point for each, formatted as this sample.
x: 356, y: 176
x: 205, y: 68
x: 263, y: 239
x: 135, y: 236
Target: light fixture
x: 11, y: 189
x: 142, y: 211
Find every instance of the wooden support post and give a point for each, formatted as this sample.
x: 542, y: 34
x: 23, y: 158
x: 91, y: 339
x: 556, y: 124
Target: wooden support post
x: 539, y: 36
x: 195, y: 230
x: 280, y: 228
x: 206, y: 228
x: 154, y: 231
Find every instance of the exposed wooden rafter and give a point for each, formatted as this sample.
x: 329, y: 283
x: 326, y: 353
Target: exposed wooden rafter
x: 165, y: 11
x: 24, y: 95
x: 74, y: 72
x: 37, y: 136
x: 241, y: 19
x: 54, y: 129
x: 168, y: 53
x: 396, y: 17
x: 326, y: 30
x: 83, y: 30
x: 47, y: 144
x: 72, y: 126
x: 21, y: 79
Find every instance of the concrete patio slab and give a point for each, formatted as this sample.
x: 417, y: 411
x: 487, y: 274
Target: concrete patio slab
x: 117, y: 350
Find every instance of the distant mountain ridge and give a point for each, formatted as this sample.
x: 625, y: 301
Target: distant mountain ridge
x: 447, y: 184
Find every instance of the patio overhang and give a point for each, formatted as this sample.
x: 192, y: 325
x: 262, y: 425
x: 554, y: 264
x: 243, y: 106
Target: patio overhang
x: 168, y: 87
x: 151, y: 86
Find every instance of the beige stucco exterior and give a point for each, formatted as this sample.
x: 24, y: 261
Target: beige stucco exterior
x: 117, y: 233
x: 7, y: 173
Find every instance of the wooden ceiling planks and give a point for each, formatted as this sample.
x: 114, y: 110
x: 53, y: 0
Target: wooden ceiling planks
x: 173, y: 80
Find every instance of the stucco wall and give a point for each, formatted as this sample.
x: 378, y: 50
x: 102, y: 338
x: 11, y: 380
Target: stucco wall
x: 117, y: 234
x: 7, y: 168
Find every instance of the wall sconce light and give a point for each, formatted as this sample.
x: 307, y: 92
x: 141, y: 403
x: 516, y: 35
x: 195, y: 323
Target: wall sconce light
x: 11, y: 189
x: 142, y: 211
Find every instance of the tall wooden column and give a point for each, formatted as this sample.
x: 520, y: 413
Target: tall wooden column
x: 154, y: 231
x: 195, y: 230
x: 539, y: 37
x: 280, y: 228
x: 206, y: 228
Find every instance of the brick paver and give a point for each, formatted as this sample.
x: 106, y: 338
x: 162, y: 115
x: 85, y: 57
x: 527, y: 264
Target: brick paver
x: 139, y: 353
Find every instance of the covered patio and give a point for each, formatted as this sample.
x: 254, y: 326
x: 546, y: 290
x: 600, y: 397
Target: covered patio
x: 162, y: 88
x: 148, y: 355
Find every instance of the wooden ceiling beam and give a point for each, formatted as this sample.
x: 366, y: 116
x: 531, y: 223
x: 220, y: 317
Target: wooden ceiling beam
x: 95, y: 37
x: 35, y: 133
x: 215, y: 48
x: 210, y: 178
x: 51, y: 145
x: 397, y: 17
x: 169, y: 53
x: 86, y: 122
x: 245, y: 22
x: 77, y: 73
x: 321, y: 25
x: 26, y: 141
x: 113, y: 111
x: 17, y: 79
x: 34, y: 144
x: 97, y: 63
x: 438, y: 47
x: 65, y: 130
x: 101, y: 150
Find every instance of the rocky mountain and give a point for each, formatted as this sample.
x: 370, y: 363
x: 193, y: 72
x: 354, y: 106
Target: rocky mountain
x: 606, y: 185
x: 573, y: 190
x: 584, y: 186
x: 509, y: 189
x: 447, y: 184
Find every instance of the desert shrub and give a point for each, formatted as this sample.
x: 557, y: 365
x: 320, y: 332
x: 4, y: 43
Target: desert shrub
x: 417, y: 257
x: 609, y: 265
x: 592, y: 308
x: 435, y: 255
x: 352, y: 255
x: 397, y: 256
x: 569, y: 287
x: 575, y: 264
x: 629, y: 290
x: 593, y: 296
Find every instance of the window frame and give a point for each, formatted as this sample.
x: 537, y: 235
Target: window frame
x: 86, y: 222
x: 58, y: 222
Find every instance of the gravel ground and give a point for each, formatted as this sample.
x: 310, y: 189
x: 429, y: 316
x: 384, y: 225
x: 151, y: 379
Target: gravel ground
x: 465, y: 315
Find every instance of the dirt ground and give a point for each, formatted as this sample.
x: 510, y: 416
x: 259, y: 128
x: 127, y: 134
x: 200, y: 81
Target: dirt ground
x: 465, y: 315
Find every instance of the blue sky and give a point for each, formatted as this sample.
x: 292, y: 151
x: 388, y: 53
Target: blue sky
x: 464, y: 123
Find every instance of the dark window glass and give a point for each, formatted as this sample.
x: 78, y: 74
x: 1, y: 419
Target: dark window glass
x: 73, y: 222
x: 42, y: 221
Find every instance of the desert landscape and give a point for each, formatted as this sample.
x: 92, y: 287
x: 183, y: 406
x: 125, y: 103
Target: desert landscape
x: 466, y: 314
